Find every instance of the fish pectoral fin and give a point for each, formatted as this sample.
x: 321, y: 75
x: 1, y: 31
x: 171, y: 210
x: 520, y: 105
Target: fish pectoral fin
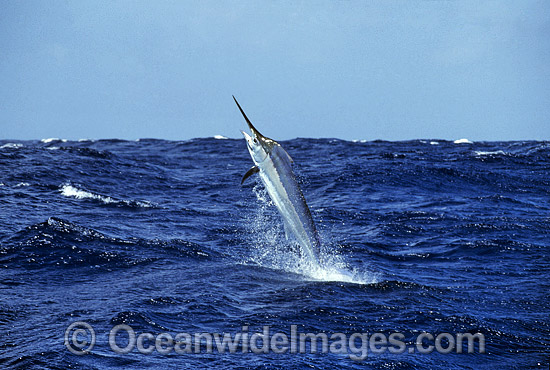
x: 249, y: 173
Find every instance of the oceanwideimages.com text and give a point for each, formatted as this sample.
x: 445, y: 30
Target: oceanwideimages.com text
x: 80, y: 338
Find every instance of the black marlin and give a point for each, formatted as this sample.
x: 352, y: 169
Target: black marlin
x: 274, y: 166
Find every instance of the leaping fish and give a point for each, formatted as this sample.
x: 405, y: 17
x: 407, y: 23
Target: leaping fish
x: 274, y: 165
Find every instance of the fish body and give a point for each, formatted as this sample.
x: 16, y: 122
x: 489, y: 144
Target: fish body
x: 274, y: 166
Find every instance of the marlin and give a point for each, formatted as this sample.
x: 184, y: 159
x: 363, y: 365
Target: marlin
x: 274, y: 165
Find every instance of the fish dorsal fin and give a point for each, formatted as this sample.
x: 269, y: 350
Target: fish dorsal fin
x: 289, y: 157
x: 249, y: 173
x: 285, y: 154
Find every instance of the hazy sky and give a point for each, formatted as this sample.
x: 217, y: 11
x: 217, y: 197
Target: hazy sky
x: 370, y: 70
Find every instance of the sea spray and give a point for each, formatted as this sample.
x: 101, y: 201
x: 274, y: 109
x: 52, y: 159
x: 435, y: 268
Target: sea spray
x: 271, y: 249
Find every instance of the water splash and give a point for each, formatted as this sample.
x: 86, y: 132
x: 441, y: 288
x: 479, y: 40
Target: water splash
x: 273, y: 250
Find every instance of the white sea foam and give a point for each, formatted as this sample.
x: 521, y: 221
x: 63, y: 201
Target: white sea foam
x: 49, y: 140
x: 72, y: 191
x: 272, y: 250
x: 463, y: 141
x: 434, y: 143
x: 22, y: 184
x: 335, y: 268
x: 220, y: 137
x: 11, y: 145
x: 497, y: 152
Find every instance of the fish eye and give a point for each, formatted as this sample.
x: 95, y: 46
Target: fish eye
x: 255, y: 141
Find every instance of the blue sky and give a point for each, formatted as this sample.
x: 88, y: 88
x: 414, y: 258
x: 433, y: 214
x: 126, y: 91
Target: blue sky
x: 391, y: 70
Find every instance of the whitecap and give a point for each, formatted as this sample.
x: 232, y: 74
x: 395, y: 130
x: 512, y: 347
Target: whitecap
x: 22, y: 184
x: 11, y: 145
x: 72, y: 191
x: 463, y: 141
x: 220, y: 137
x: 140, y: 203
x: 434, y: 143
x: 49, y: 140
x: 497, y: 152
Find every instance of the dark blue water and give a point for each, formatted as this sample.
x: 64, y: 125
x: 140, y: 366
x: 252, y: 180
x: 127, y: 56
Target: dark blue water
x: 417, y: 237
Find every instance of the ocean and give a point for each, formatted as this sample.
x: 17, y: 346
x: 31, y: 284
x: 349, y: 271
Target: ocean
x: 120, y: 254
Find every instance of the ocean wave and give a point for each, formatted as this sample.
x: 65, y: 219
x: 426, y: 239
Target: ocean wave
x: 69, y: 190
x: 440, y: 234
x: 59, y: 242
x: 489, y: 153
x: 463, y: 141
x: 220, y: 137
x: 539, y: 148
x: 11, y: 146
x: 88, y: 152
x: 52, y: 139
